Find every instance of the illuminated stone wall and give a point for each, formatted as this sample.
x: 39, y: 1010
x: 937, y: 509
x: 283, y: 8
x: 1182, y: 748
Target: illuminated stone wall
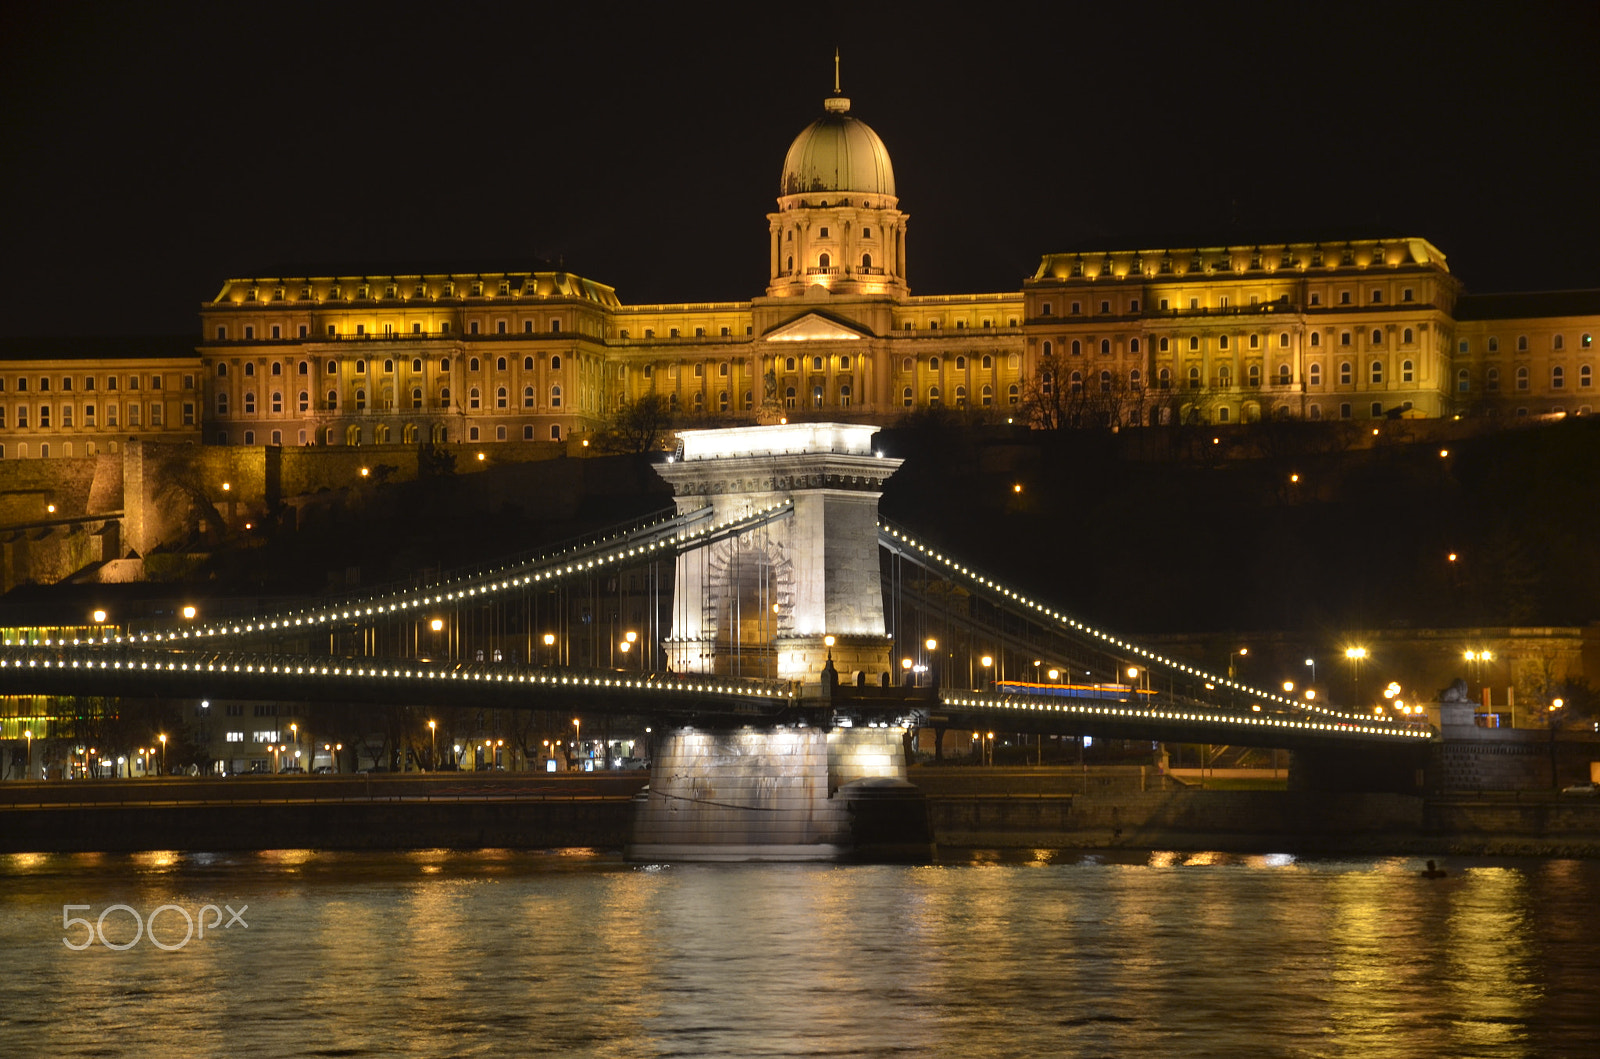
x: 756, y: 794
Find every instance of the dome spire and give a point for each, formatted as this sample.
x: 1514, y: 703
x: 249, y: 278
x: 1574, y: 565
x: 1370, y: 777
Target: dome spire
x: 836, y: 103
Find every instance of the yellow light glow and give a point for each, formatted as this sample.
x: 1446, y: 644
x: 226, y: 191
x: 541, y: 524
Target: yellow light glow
x: 99, y: 616
x: 549, y: 639
x: 931, y: 644
x: 189, y: 612
x: 1355, y: 652
x: 366, y: 471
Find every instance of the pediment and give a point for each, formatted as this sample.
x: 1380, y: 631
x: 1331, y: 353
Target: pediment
x: 814, y: 327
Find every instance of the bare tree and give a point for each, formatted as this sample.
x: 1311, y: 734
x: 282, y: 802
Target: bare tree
x: 639, y: 425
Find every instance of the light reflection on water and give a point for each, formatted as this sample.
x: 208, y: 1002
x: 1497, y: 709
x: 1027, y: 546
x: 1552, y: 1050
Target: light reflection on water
x: 1030, y: 953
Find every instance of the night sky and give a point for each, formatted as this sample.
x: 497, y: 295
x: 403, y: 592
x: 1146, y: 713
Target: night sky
x: 153, y: 150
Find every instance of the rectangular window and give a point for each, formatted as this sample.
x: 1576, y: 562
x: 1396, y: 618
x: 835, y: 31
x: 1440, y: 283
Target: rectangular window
x: 188, y: 414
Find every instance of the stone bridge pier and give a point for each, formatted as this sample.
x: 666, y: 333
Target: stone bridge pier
x: 799, y: 599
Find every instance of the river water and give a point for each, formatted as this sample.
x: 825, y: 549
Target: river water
x: 574, y: 953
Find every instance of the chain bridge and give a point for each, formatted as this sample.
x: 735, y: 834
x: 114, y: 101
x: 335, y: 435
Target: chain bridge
x: 785, y: 636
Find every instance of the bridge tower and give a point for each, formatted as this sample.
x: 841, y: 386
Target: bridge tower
x: 765, y: 603
x: 761, y: 603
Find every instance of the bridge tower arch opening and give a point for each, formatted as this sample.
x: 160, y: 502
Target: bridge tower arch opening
x: 756, y: 579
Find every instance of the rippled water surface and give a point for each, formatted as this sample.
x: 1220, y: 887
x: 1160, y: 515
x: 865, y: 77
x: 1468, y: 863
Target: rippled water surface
x: 576, y: 954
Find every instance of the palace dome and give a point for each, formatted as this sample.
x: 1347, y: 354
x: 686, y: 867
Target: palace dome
x: 837, y: 153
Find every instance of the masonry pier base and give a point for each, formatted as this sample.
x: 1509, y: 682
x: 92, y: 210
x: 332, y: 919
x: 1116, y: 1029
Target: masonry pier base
x: 780, y: 794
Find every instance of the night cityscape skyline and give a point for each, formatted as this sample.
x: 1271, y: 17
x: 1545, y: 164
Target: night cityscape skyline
x: 164, y: 150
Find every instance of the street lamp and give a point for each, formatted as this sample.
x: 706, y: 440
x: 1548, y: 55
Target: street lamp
x: 549, y: 642
x: 163, y: 738
x: 433, y: 746
x: 577, y: 738
x: 987, y: 661
x: 1355, y: 656
x: 27, y: 770
x: 1312, y: 662
x: 1233, y: 656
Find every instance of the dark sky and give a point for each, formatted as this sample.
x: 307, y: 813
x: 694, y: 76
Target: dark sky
x: 152, y: 150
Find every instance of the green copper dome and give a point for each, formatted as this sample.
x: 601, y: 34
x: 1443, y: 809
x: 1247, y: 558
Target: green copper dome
x: 837, y: 153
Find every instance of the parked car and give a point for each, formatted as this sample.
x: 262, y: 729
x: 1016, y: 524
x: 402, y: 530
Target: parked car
x: 322, y: 770
x: 1582, y: 789
x: 291, y: 768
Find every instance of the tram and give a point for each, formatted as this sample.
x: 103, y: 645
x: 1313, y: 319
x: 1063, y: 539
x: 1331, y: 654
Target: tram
x: 1097, y: 692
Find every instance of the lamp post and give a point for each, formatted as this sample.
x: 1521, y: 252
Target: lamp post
x: 1477, y: 662
x: 1312, y: 663
x: 1355, y: 656
x: 630, y: 638
x: 163, y: 738
x: 549, y: 644
x: 577, y: 739
x: 27, y: 769
x: 987, y: 661
x: 933, y: 674
x: 433, y: 746
x: 1234, y: 656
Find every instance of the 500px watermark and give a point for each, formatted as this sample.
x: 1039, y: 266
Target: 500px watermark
x: 194, y: 927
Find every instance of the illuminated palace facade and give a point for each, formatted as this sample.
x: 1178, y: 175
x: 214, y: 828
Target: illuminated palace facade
x: 1349, y: 329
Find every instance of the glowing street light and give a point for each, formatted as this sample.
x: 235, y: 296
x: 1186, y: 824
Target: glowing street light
x: 1233, y: 656
x: 577, y: 737
x: 99, y: 617
x: 433, y: 745
x: 189, y: 612
x: 1355, y: 655
x: 163, y: 738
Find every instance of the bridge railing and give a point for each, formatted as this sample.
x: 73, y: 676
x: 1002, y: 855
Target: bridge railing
x: 129, y: 662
